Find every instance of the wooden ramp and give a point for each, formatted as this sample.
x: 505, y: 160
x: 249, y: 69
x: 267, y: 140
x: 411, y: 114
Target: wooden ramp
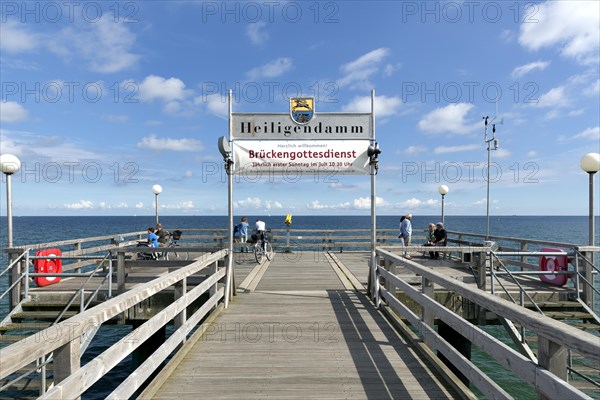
x: 299, y: 335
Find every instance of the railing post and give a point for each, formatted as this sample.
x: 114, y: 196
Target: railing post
x: 588, y: 273
x: 391, y: 267
x: 552, y: 357
x: 428, y: 289
x: 213, y: 269
x: 120, y: 271
x: 180, y: 290
x: 524, y: 259
x: 77, y: 248
x: 480, y: 265
x: 15, y: 275
x: 66, y: 360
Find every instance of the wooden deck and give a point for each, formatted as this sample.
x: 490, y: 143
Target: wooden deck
x: 300, y: 334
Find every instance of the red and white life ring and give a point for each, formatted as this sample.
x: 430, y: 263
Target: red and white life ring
x: 554, y: 263
x: 49, y: 265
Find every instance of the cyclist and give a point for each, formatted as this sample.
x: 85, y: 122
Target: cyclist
x: 260, y: 227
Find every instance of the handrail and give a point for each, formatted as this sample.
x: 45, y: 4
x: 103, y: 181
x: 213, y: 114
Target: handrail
x: 24, y: 352
x: 562, y: 334
x: 515, y: 281
x: 15, y: 261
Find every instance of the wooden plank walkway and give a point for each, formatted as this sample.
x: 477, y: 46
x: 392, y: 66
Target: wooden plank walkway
x: 300, y: 335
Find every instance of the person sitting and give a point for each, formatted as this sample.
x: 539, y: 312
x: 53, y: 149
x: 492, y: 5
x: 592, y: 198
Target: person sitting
x: 152, y: 238
x: 163, y: 236
x: 441, y: 237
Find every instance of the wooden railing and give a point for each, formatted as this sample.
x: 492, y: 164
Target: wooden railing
x: 71, y: 379
x: 547, y: 376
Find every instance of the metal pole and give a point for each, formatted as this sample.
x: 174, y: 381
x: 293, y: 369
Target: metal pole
x: 487, y: 213
x: 591, y: 213
x: 373, y: 171
x: 443, y: 208
x: 228, y: 167
x: 9, y: 210
x: 156, y: 207
x: 590, y: 295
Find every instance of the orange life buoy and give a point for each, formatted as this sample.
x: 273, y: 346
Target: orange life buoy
x: 52, y: 264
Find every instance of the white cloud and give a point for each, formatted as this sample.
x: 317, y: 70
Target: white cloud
x: 523, y: 70
x: 272, y: 69
x: 456, y: 149
x: 451, y: 119
x: 501, y: 153
x: 415, y: 150
x: 254, y: 203
x: 184, y: 205
x: 589, y: 133
x: 360, y: 203
x: 256, y: 33
x: 414, y: 203
x: 105, y: 44
x: 139, y: 205
x: 153, y: 143
x: 384, y: 106
x: 593, y: 89
x: 83, y: 204
x: 572, y: 26
x: 358, y: 72
x: 215, y: 104
x: 532, y: 153
x: 507, y: 36
x: 554, y: 98
x: 11, y: 111
x: 158, y: 88
x: 15, y: 39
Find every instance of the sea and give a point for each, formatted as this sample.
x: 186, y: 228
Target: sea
x: 41, y: 229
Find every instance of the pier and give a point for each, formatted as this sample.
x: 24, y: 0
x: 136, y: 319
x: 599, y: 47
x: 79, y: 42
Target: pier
x: 315, y: 321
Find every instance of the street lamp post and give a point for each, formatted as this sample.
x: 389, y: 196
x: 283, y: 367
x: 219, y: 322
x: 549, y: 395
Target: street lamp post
x: 443, y: 190
x: 9, y: 164
x: 590, y: 163
x: 489, y: 141
x: 156, y: 189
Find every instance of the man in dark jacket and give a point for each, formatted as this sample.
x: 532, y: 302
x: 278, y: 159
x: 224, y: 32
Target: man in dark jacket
x: 440, y: 237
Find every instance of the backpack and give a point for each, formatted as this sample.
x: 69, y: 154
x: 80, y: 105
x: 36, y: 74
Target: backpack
x: 236, y: 230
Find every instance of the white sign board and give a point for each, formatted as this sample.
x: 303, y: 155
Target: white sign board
x: 257, y: 157
x: 324, y: 126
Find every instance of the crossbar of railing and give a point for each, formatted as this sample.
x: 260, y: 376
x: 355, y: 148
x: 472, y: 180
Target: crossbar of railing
x: 563, y: 334
x: 514, y: 280
x: 540, y: 378
x: 14, y: 262
x: 82, y: 379
x: 24, y: 352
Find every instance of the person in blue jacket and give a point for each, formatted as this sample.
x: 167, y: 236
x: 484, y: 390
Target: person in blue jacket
x: 152, y: 238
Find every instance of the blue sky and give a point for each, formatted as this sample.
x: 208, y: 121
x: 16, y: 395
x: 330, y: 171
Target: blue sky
x: 102, y: 100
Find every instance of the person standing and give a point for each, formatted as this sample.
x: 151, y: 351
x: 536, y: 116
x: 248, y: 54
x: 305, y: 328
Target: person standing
x: 244, y: 233
x: 441, y: 237
x: 406, y: 233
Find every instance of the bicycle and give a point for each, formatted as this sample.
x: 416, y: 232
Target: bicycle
x: 176, y: 255
x: 262, y: 247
